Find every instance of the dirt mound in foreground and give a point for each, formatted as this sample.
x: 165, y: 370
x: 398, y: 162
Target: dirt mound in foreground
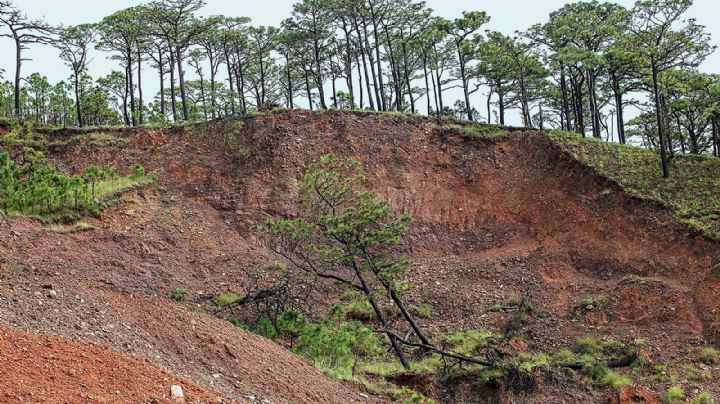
x: 55, y: 370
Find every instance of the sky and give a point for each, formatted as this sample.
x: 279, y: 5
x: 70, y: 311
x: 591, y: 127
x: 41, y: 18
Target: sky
x: 506, y: 16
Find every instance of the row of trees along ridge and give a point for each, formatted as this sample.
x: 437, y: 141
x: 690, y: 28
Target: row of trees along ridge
x: 578, y: 71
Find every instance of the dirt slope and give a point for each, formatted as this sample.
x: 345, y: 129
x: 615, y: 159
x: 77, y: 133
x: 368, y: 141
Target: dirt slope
x: 198, y: 346
x: 493, y: 220
x: 54, y: 370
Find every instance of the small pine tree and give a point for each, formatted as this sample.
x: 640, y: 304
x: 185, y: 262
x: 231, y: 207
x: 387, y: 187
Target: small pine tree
x: 93, y: 174
x: 137, y: 171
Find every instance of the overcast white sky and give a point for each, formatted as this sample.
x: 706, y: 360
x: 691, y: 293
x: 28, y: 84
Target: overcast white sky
x: 506, y: 16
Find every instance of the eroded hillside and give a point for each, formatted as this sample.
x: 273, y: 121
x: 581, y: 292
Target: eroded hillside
x: 495, y: 220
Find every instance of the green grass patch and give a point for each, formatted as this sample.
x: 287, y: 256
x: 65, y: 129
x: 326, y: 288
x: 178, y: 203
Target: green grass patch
x: 692, y: 192
x: 708, y: 356
x: 178, y: 294
x: 226, y: 299
x: 702, y: 398
x: 110, y: 188
x: 77, y: 227
x: 424, y: 310
x: 587, y: 345
x: 674, y: 395
x: 615, y: 379
x: 105, y: 140
x: 477, y: 130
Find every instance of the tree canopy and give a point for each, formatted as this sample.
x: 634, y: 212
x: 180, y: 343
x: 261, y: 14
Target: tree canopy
x: 580, y: 70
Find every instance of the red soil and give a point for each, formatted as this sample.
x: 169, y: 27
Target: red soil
x: 54, y: 370
x: 492, y: 220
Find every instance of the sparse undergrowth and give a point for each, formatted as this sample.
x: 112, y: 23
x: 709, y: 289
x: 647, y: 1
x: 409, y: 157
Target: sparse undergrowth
x: 77, y: 227
x: 476, y: 130
x: 31, y: 186
x: 692, y: 191
x: 345, y: 348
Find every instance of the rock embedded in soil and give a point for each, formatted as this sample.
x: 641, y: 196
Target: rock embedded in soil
x: 176, y: 392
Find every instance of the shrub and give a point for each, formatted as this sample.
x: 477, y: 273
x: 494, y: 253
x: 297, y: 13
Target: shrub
x: 226, y: 299
x: 359, y: 310
x: 292, y: 323
x: 615, y: 380
x: 424, y: 310
x: 241, y: 154
x: 702, y: 398
x: 178, y: 294
x: 675, y: 394
x: 709, y: 356
x: 334, y: 344
x: 237, y: 323
x: 266, y: 328
x: 137, y: 171
x: 468, y: 342
x: 695, y: 374
x: 587, y: 345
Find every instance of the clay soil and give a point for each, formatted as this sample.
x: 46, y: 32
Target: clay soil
x: 55, y: 370
x: 493, y: 221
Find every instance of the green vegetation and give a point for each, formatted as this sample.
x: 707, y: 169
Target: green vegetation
x: 692, y: 192
x: 709, y: 356
x: 615, y: 380
x: 674, y: 395
x: 345, y: 226
x: 178, y: 294
x: 587, y: 345
x: 76, y: 227
x: 241, y: 154
x: 476, y: 130
x: 102, y: 139
x: 36, y: 189
x: 695, y: 374
x: 226, y: 299
x: 424, y: 310
x: 335, y: 344
x: 702, y: 398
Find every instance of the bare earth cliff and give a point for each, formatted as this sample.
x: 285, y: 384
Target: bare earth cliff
x: 514, y: 216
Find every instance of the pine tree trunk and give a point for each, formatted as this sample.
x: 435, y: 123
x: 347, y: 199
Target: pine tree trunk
x: 381, y: 317
x: 716, y: 145
x: 213, y: 72
x: 660, y: 124
x: 501, y: 104
x: 465, y: 82
x: 427, y: 85
x: 289, y: 84
x: 173, y: 101
x: 566, y: 124
x: 348, y: 65
x: 309, y: 92
x: 18, y: 66
x: 181, y: 81
x: 230, y: 80
x: 131, y: 89
x: 77, y: 101
x: 140, y: 92
x: 378, y: 59
x: 360, y: 81
x: 162, y: 82
x: 619, y: 115
x: 125, y: 103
